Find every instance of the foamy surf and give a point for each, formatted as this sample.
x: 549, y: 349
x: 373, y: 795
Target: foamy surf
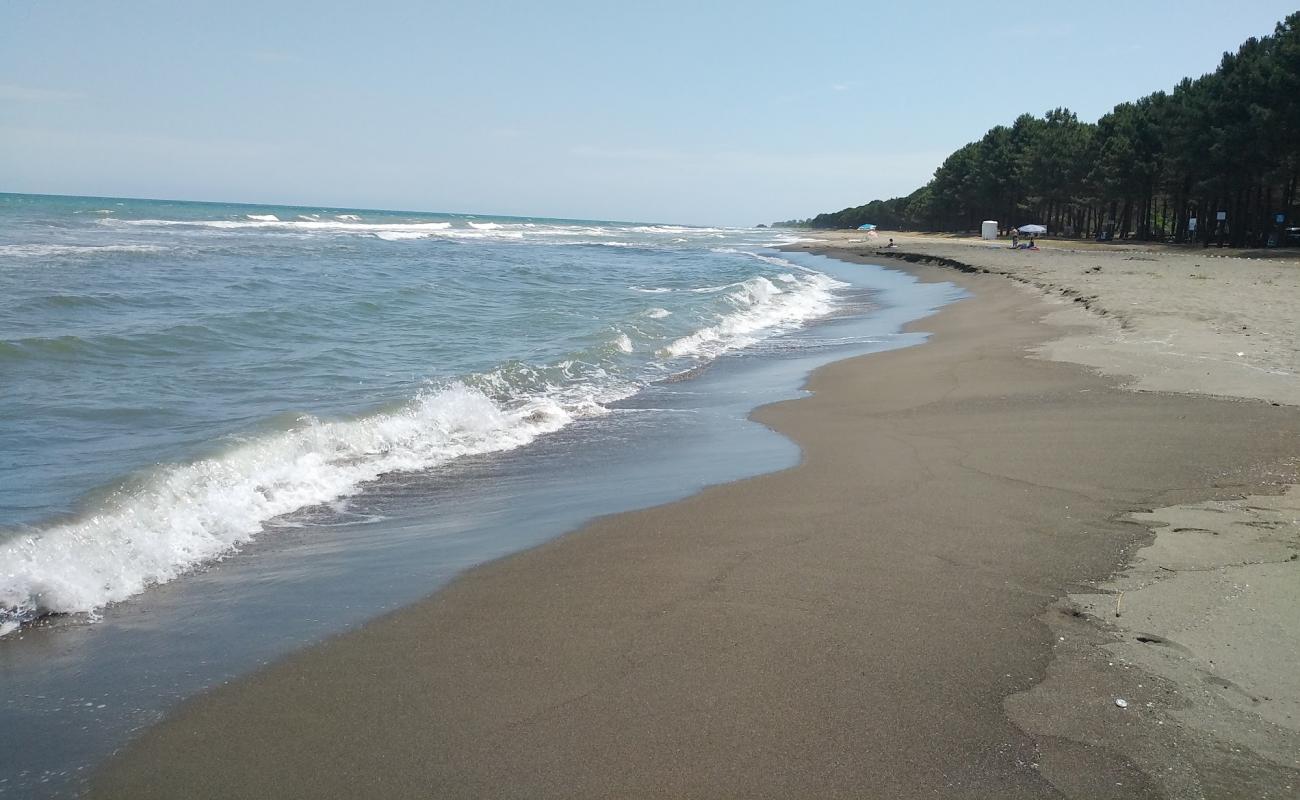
x: 185, y: 516
x: 649, y: 236
x: 762, y: 309
x: 358, y: 302
x: 43, y: 250
x: 403, y: 236
x: 188, y: 515
x: 346, y: 224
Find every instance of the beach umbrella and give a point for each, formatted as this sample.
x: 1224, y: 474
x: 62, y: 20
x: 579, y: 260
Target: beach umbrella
x: 1039, y: 229
x: 867, y: 227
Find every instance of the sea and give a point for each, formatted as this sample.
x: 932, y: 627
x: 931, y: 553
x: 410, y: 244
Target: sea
x: 229, y: 431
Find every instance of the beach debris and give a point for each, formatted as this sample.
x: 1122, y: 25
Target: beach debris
x: 1118, y: 599
x: 1121, y: 702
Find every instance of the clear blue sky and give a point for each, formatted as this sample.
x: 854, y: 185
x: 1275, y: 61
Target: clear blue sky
x: 699, y: 112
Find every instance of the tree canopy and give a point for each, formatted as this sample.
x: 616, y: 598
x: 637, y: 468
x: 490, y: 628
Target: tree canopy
x: 1225, y: 143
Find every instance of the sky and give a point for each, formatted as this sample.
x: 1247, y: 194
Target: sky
x: 697, y: 112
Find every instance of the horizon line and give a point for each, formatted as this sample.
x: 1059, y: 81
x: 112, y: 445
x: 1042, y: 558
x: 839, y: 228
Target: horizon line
x: 353, y: 208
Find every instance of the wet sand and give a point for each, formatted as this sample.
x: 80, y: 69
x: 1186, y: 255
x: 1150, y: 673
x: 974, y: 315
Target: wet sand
x: 853, y: 626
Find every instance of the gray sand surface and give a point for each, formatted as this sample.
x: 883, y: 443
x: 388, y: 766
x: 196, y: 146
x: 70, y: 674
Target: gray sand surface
x: 862, y: 625
x: 1208, y: 614
x: 1181, y: 319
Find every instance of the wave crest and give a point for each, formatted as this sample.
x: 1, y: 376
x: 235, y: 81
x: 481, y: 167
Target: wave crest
x: 761, y: 310
x: 186, y: 515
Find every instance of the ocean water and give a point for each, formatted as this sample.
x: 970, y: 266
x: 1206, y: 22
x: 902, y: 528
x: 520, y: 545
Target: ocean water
x: 230, y: 431
x: 176, y: 375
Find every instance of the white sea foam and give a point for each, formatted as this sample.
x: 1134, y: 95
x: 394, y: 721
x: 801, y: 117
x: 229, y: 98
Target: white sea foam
x: 391, y: 231
x: 570, y: 230
x: 459, y: 234
x: 184, y: 516
x: 761, y: 309
x: 641, y: 236
x: 39, y: 250
x: 766, y: 259
x: 400, y: 236
x: 187, y: 515
x: 674, y: 229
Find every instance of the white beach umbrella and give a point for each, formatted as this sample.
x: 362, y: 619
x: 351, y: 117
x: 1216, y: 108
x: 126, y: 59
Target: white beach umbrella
x: 1040, y: 229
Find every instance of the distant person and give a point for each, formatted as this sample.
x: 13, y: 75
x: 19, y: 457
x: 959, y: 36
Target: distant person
x: 1032, y: 246
x: 891, y: 243
x: 1015, y: 240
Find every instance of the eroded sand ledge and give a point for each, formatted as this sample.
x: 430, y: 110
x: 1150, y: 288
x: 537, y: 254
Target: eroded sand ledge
x: 852, y: 626
x: 1175, y: 319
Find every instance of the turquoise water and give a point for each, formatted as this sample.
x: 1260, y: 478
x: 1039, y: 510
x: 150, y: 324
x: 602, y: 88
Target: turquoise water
x: 176, y: 376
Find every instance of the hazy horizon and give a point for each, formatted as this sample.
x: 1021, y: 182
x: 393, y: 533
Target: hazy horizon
x: 372, y: 209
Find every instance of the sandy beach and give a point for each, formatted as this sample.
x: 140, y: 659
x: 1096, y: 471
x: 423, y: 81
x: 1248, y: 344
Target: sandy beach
x: 948, y: 597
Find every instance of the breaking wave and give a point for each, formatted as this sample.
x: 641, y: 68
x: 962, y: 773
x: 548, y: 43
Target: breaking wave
x: 186, y: 515
x: 761, y: 308
x: 174, y: 518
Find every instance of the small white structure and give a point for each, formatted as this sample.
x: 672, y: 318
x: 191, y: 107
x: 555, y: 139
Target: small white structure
x: 989, y: 229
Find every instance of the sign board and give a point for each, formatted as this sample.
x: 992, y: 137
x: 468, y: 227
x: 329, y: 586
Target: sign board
x: 1221, y: 215
x: 1191, y: 224
x: 1280, y: 218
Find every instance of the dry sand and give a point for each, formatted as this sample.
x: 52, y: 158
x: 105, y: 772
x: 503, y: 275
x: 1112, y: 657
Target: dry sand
x: 1167, y: 318
x: 891, y: 618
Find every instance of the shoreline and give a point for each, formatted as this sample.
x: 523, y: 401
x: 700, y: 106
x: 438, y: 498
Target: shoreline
x: 660, y: 445
x: 760, y: 637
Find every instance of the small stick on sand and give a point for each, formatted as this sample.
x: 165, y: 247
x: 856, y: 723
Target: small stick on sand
x: 1118, y: 599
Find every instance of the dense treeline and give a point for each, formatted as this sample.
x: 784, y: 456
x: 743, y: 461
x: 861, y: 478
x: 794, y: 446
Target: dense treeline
x: 1226, y: 142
